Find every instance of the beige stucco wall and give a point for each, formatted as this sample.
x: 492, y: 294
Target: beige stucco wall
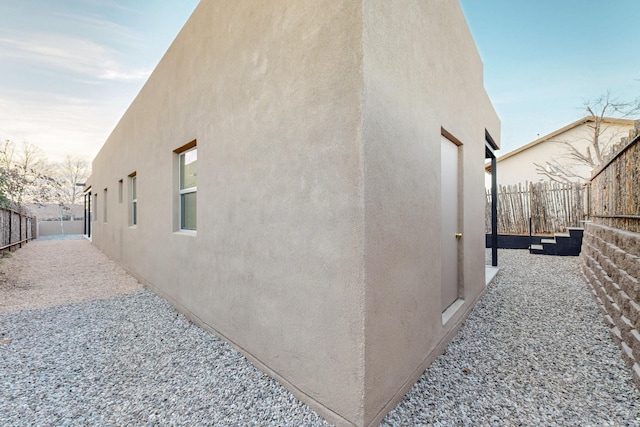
x: 318, y: 129
x: 272, y: 93
x: 521, y: 168
x: 421, y: 72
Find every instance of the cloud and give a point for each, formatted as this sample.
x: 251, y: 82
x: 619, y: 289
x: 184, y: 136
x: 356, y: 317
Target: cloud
x: 71, y: 54
x: 58, y: 124
x: 113, y: 4
x: 134, y: 75
x: 96, y: 24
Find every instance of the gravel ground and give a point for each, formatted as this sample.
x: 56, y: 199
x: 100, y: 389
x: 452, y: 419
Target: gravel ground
x: 131, y: 360
x: 56, y: 271
x: 535, y: 351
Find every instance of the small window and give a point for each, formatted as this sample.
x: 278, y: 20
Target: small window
x: 188, y: 177
x: 104, y: 206
x: 95, y: 206
x: 133, y: 206
x: 120, y: 185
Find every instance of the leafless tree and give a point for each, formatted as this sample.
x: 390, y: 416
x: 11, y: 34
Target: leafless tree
x: 68, y: 175
x: 598, y: 111
x: 24, y: 173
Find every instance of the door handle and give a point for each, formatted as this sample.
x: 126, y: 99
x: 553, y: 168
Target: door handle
x: 458, y: 235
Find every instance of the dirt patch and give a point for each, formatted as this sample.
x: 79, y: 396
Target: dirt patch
x: 58, y: 272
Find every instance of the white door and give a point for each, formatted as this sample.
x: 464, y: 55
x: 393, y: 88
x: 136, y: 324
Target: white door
x: 449, y: 206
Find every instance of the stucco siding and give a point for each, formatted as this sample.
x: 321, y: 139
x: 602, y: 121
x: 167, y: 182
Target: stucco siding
x: 318, y: 129
x: 421, y: 73
x: 272, y: 94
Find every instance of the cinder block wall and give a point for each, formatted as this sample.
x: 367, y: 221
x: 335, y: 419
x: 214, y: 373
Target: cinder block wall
x: 610, y: 261
x: 54, y: 228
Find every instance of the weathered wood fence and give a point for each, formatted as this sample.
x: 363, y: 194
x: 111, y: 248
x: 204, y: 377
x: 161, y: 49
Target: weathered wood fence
x: 16, y: 229
x: 615, y: 187
x: 552, y: 207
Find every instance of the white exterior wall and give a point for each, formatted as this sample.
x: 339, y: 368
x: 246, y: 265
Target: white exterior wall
x: 318, y: 132
x: 520, y: 168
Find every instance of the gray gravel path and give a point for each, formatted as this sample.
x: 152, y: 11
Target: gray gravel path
x: 535, y: 351
x: 54, y: 272
x: 131, y: 360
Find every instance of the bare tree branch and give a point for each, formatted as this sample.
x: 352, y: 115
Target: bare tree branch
x: 68, y: 174
x: 575, y: 154
x: 24, y: 172
x: 599, y: 139
x: 557, y: 172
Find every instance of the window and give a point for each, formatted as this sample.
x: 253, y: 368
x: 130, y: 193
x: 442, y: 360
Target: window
x: 133, y: 206
x: 95, y: 205
x: 188, y: 174
x: 104, y: 206
x: 120, y: 184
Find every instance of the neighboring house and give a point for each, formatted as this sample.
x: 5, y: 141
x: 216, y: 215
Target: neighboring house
x: 292, y: 177
x: 552, y: 152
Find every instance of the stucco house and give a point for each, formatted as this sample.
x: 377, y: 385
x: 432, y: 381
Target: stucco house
x: 304, y: 179
x: 553, y: 153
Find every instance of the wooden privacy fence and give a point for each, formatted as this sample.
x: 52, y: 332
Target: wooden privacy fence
x: 552, y: 207
x: 615, y: 187
x: 16, y: 228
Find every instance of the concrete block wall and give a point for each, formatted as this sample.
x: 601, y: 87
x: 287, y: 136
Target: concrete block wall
x: 610, y: 261
x: 59, y: 228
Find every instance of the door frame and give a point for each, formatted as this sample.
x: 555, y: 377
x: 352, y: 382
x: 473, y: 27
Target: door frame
x: 448, y: 137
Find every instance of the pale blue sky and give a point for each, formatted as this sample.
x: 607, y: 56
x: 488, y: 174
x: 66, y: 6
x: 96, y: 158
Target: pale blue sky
x: 544, y: 58
x: 70, y: 68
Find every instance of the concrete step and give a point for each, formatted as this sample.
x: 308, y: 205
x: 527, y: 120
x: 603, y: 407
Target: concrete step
x: 563, y: 244
x: 575, y: 231
x: 545, y: 249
